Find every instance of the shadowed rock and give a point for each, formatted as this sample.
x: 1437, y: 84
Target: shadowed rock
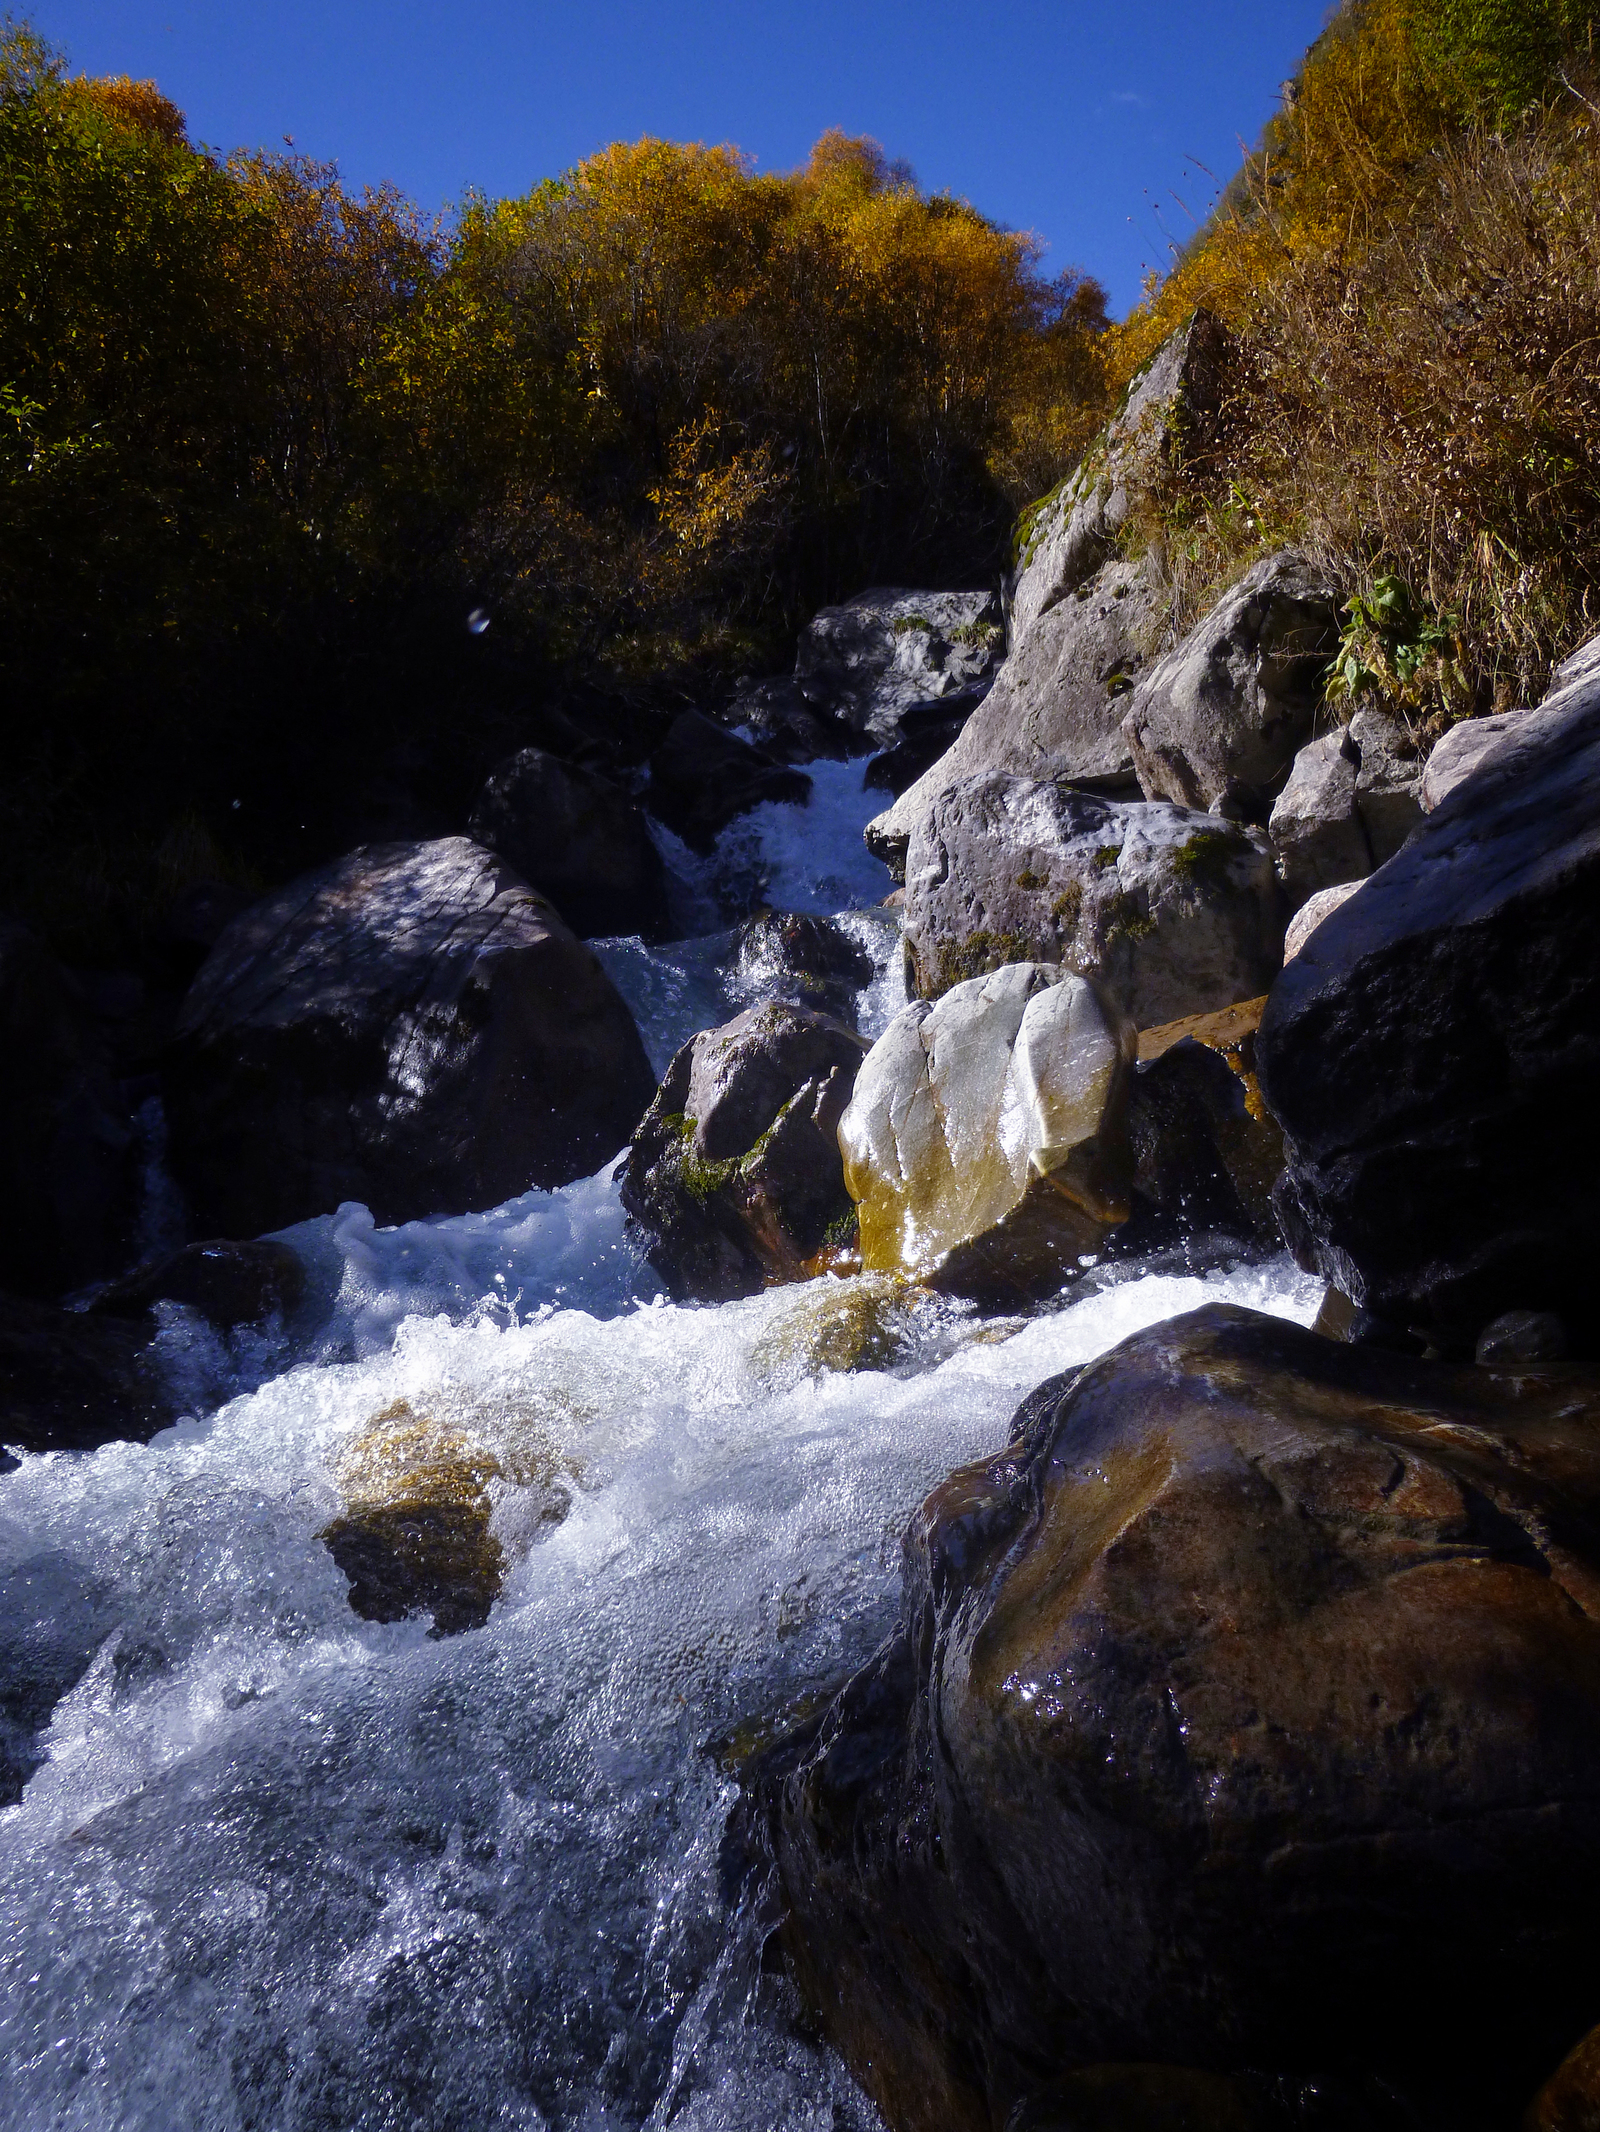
x: 702, y: 778
x: 576, y: 838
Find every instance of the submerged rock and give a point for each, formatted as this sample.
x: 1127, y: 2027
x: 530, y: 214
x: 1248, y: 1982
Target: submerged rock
x: 985, y: 1143
x: 53, y: 1619
x: 68, y: 1158
x: 735, y: 1175
x: 702, y: 778
x: 868, y: 661
x: 412, y: 1027
x: 1171, y: 911
x: 1206, y: 1743
x: 1221, y: 718
x: 1432, y: 1054
x: 578, y: 839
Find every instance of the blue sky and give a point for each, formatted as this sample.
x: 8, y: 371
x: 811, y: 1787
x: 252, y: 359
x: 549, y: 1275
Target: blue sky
x: 1078, y: 121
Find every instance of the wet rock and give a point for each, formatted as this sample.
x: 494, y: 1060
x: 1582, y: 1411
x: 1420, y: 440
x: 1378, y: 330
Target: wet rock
x: 924, y: 736
x: 69, y: 1381
x: 1057, y: 705
x: 1311, y: 914
x: 985, y: 1144
x: 1518, y: 1336
x: 53, y: 1619
x: 810, y: 961
x: 864, y: 1321
x: 1207, y: 1151
x: 735, y: 1175
x: 414, y: 1536
x: 887, y: 651
x: 1171, y: 911
x: 783, y: 725
x: 578, y: 839
x: 702, y: 778
x: 68, y: 1158
x: 412, y: 1027
x: 1222, y: 717
x: 1569, y: 2101
x: 1205, y: 1742
x: 1431, y: 1054
x: 228, y: 1283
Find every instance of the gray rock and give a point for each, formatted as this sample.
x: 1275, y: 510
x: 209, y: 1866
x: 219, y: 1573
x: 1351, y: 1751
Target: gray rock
x: 986, y: 1144
x: 54, y: 1615
x: 701, y: 778
x: 1171, y: 911
x: 576, y: 838
x: 1223, y: 715
x: 1432, y: 1054
x: 1056, y: 708
x: 807, y: 960
x: 735, y: 1175
x: 888, y: 650
x: 412, y: 1027
x: 68, y: 1159
x: 1167, y: 412
x: 1352, y: 799
x: 1311, y: 914
x: 1465, y: 749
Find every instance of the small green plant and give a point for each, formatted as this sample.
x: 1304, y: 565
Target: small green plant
x: 1030, y: 880
x: 1107, y: 856
x: 1208, y: 856
x: 1067, y: 909
x: 903, y: 624
x: 1391, y: 646
x: 983, y: 636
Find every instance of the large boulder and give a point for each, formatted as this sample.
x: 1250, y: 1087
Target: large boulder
x: 986, y: 1143
x: 1171, y: 911
x: 1432, y: 1054
x: 412, y: 1027
x: 702, y: 778
x: 1220, y: 719
x: 68, y: 1155
x: 886, y: 651
x: 735, y: 1175
x: 1057, y: 706
x: 69, y: 1382
x: 1352, y: 799
x: 1245, y: 1717
x: 578, y: 839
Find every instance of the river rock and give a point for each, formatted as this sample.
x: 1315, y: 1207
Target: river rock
x: 867, y: 662
x: 69, y: 1382
x: 924, y: 736
x: 1206, y: 1742
x: 1057, y: 705
x: 229, y: 1283
x: 810, y: 961
x: 985, y: 1145
x: 1171, y: 911
x: 578, y: 839
x: 1221, y: 717
x: 1432, y: 1054
x: 735, y: 1175
x: 68, y: 1156
x: 54, y: 1616
x: 412, y: 1027
x: 1207, y: 1151
x: 702, y: 778
x: 1352, y: 799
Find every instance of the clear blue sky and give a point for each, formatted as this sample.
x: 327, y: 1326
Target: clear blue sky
x: 1077, y: 120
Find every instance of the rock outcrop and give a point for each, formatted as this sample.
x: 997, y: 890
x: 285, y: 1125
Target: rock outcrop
x: 578, y: 839
x: 985, y: 1144
x: 864, y: 664
x: 1352, y: 799
x: 735, y: 1175
x: 1432, y: 1054
x: 702, y: 778
x: 1208, y: 1741
x: 1171, y: 911
x: 68, y: 1159
x: 1219, y: 720
x: 412, y: 1027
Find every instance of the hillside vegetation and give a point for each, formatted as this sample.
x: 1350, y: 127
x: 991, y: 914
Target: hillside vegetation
x: 1411, y: 265
x: 266, y: 443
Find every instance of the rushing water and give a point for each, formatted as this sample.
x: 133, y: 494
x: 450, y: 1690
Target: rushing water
x: 283, y: 1868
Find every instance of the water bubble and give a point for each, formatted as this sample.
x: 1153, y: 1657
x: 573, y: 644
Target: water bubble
x: 237, y: 805
x: 478, y: 620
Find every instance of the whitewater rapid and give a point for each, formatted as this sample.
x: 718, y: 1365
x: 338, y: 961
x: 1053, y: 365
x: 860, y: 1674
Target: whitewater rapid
x: 280, y: 1867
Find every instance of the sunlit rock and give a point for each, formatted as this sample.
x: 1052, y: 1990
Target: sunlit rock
x: 872, y: 658
x: 867, y: 1321
x: 985, y: 1143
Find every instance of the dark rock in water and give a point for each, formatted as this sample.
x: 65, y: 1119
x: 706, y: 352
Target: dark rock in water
x: 69, y: 1381
x: 1169, y: 910
x: 702, y: 778
x: 1433, y: 1050
x: 412, y: 1027
x: 867, y: 662
x: 1206, y: 1150
x: 925, y: 734
x: 784, y: 726
x: 735, y: 1175
x: 576, y: 838
x: 1223, y: 716
x: 811, y: 961
x: 68, y: 1158
x: 1249, y: 1697
x: 228, y: 1283
x: 1522, y: 1336
x: 53, y: 1619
